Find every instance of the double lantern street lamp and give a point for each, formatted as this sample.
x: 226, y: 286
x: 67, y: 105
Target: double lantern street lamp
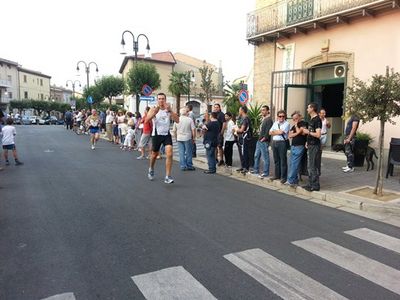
x: 135, y: 50
x: 87, y: 70
x: 73, y: 85
x: 73, y: 88
x: 135, y: 44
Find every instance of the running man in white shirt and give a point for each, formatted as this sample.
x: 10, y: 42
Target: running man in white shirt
x: 93, y: 123
x: 161, y: 116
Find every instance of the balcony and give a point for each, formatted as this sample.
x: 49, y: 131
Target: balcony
x: 5, y: 83
x: 289, y: 17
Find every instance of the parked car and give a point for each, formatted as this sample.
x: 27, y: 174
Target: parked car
x: 41, y: 121
x: 25, y: 120
x: 17, y: 120
x: 52, y: 120
x: 34, y: 119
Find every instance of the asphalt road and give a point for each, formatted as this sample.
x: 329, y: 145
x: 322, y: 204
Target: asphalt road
x: 80, y: 224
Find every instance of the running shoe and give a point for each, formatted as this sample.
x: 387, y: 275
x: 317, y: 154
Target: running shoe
x: 348, y: 170
x: 150, y: 175
x: 168, y: 180
x: 93, y: 147
x: 140, y: 157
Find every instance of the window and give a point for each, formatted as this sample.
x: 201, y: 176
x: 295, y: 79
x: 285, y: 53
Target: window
x: 41, y: 82
x: 37, y: 79
x: 41, y: 97
x: 10, y: 95
x: 26, y: 95
x: 25, y: 79
x: 9, y: 78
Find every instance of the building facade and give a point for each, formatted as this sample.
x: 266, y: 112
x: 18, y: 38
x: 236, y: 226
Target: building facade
x: 60, y: 94
x: 310, y: 50
x: 33, y: 85
x: 8, y: 82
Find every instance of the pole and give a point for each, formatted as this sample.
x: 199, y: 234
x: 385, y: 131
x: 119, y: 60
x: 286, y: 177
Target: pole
x: 87, y: 84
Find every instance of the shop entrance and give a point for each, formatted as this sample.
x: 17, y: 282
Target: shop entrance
x: 328, y: 83
x: 324, y: 84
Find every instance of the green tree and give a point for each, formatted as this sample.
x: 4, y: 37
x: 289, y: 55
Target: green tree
x: 40, y: 106
x: 231, y: 98
x: 378, y: 99
x: 179, y: 85
x: 20, y: 105
x: 207, y: 84
x: 142, y: 73
x: 110, y: 86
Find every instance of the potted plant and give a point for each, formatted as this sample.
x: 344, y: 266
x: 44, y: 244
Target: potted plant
x: 254, y: 114
x: 361, y: 144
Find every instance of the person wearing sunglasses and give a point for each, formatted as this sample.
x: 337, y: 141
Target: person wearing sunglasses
x: 279, y: 132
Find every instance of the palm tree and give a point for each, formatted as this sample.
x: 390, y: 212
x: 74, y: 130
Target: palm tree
x: 231, y: 98
x: 179, y: 85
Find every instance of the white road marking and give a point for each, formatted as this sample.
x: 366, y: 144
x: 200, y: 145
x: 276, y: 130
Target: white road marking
x: 363, y: 266
x: 376, y: 238
x: 171, y: 283
x: 278, y: 277
x: 65, y: 296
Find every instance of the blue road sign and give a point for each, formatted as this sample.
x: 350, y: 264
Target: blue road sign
x: 89, y: 99
x: 147, y: 90
x: 243, y: 96
x: 148, y: 98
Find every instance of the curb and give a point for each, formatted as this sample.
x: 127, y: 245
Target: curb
x: 335, y: 199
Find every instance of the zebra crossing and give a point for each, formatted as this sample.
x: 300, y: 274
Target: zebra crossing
x: 277, y: 276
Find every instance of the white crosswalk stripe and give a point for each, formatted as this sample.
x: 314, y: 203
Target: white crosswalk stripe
x: 171, y: 283
x: 370, y: 269
x: 376, y: 238
x: 278, y: 277
x: 65, y: 296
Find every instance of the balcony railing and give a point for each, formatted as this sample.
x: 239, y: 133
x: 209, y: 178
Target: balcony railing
x: 291, y: 12
x: 5, y: 83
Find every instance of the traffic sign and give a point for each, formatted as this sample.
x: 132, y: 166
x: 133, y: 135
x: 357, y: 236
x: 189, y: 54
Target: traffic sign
x: 243, y: 96
x: 147, y: 90
x: 89, y: 99
x: 148, y: 98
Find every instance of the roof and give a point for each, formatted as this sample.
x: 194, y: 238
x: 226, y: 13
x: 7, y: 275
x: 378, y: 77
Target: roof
x: 160, y: 57
x: 6, y: 61
x: 33, y: 72
x: 195, y: 62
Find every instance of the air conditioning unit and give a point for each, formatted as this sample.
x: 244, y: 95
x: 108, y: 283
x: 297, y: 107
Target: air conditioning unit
x: 339, y: 71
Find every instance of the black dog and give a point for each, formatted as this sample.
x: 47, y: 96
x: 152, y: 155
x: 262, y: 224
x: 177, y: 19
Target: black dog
x: 369, y: 154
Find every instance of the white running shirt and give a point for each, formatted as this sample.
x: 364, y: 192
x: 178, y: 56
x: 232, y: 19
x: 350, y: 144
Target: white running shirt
x: 161, y: 123
x: 8, y: 132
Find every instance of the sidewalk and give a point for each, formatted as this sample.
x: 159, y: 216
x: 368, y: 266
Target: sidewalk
x: 335, y: 184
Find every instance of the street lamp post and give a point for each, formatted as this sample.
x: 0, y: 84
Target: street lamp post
x: 191, y: 79
x: 135, y: 50
x: 73, y: 86
x: 87, y: 70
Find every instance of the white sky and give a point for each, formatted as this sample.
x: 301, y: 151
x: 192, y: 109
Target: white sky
x: 51, y: 36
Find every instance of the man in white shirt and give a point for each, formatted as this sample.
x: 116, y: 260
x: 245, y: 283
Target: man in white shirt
x: 279, y: 132
x: 161, y: 116
x: 185, y: 133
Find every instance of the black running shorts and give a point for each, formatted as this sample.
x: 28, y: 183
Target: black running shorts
x: 159, y: 140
